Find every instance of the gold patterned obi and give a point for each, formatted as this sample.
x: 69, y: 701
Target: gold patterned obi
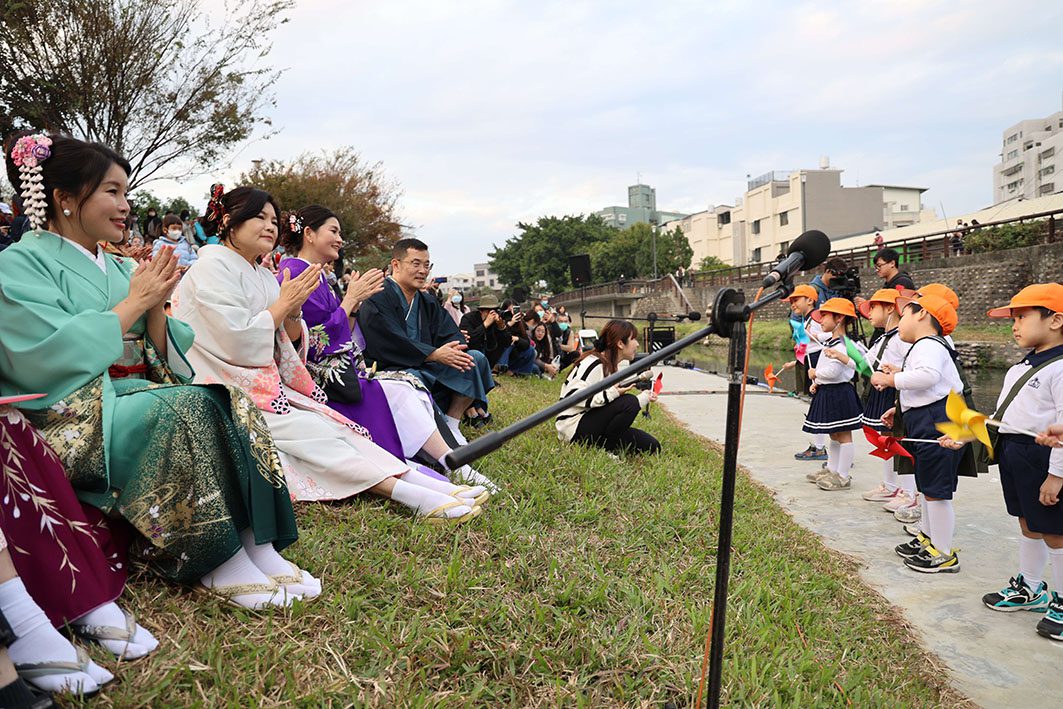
x: 132, y: 363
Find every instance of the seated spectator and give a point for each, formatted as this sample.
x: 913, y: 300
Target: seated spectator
x: 486, y: 329
x: 605, y: 419
x: 547, y: 358
x: 568, y: 343
x: 152, y: 227
x: 519, y: 359
x: 245, y: 325
x: 395, y: 407
x: 205, y: 490
x: 407, y: 330
x: 173, y: 237
x: 455, y: 305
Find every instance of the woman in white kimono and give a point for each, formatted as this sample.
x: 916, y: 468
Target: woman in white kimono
x: 245, y: 325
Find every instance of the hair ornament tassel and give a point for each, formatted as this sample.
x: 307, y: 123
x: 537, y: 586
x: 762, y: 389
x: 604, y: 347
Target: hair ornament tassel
x: 295, y: 224
x: 28, y: 153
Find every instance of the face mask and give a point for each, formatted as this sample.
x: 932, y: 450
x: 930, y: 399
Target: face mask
x: 544, y: 303
x: 455, y: 299
x: 174, y: 234
x: 563, y: 326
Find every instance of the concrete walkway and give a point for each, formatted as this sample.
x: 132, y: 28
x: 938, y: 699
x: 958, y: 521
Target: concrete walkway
x: 996, y: 659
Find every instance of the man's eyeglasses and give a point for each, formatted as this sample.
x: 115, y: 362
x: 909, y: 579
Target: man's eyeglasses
x: 418, y: 265
x: 880, y: 264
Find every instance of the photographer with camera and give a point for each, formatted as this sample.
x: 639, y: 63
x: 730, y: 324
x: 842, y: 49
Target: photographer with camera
x: 485, y: 329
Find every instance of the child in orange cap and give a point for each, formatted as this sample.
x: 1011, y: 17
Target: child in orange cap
x: 1031, y: 476
x: 802, y: 302
x: 928, y: 374
x: 835, y: 408
x: 885, y: 354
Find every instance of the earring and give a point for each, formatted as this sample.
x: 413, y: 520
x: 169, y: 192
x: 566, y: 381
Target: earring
x: 66, y: 212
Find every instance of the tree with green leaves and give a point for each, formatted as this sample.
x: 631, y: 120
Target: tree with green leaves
x: 171, y: 86
x: 673, y: 250
x: 712, y: 263
x: 364, y: 199
x: 541, y: 250
x: 616, y: 256
x: 142, y: 200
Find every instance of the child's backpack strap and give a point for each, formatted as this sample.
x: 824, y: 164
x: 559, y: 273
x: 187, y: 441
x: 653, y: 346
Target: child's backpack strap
x: 1017, y: 387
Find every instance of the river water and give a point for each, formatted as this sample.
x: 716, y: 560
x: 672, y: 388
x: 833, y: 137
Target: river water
x: 985, y: 381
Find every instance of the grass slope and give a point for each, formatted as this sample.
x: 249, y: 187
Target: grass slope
x: 588, y: 583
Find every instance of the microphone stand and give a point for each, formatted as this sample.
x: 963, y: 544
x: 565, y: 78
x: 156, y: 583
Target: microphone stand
x: 728, y: 320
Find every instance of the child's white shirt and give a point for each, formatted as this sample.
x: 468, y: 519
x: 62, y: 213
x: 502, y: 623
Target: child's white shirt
x: 830, y: 370
x: 929, y: 375
x: 894, y: 353
x: 1040, y: 401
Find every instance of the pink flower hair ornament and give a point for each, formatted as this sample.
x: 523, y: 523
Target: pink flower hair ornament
x: 28, y: 153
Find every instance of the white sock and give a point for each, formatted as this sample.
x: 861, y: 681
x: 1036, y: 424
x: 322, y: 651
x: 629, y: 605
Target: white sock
x: 1033, y: 557
x: 238, y: 571
x: 422, y: 500
x: 819, y: 440
x: 466, y: 475
x: 38, y: 641
x: 415, y: 477
x: 452, y: 424
x: 110, y: 615
x: 924, y: 518
x: 271, y: 563
x: 889, y: 476
x: 907, y: 482
x: 1056, y: 555
x: 845, y: 459
x: 942, y: 524
x: 833, y: 450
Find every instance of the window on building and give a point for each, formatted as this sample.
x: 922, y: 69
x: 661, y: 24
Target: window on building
x: 1048, y: 188
x: 724, y: 218
x: 904, y: 207
x: 622, y: 218
x: 756, y: 227
x: 756, y: 254
x: 1048, y: 170
x: 784, y: 218
x: 1013, y: 154
x: 479, y: 274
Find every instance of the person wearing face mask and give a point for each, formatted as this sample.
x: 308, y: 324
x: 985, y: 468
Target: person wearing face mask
x: 174, y: 238
x: 455, y: 305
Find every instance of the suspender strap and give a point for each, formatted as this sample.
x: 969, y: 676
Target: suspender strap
x: 1017, y: 387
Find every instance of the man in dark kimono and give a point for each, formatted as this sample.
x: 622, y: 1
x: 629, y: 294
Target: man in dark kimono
x: 405, y: 329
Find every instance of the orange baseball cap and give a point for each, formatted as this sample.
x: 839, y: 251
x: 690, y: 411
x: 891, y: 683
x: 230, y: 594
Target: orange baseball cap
x: 939, y: 308
x: 1039, y: 295
x: 803, y: 290
x: 838, y: 306
x: 939, y: 289
x: 884, y: 295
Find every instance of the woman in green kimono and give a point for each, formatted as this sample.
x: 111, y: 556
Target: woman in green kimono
x: 191, y: 468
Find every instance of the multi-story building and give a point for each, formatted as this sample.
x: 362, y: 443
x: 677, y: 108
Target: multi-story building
x: 484, y: 277
x: 1031, y: 160
x: 461, y: 281
x: 641, y: 208
x: 778, y: 206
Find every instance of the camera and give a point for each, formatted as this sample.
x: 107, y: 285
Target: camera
x: 643, y: 384
x: 847, y: 284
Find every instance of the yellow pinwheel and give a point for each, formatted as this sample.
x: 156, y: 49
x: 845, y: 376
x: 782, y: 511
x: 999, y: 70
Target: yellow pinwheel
x: 965, y: 424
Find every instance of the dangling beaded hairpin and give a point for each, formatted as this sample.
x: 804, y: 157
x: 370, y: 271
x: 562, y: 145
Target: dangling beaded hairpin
x: 28, y: 154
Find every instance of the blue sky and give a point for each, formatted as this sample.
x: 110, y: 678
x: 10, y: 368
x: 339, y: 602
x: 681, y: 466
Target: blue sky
x: 490, y: 113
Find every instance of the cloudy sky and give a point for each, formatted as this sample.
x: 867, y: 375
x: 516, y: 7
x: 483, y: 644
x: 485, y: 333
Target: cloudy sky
x: 490, y: 113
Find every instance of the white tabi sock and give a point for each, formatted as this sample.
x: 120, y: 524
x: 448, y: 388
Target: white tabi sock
x: 1033, y: 557
x: 833, y: 450
x: 240, y: 571
x: 422, y: 500
x: 452, y: 424
x: 38, y: 641
x: 271, y: 563
x: 845, y: 459
x: 415, y: 477
x: 942, y: 524
x: 466, y: 475
x: 110, y: 615
x: 1056, y: 555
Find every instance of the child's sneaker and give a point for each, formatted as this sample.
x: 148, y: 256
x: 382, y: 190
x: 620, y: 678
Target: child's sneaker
x: 832, y: 481
x: 911, y: 514
x: 1051, y: 626
x: 901, y: 499
x: 816, y: 475
x: 812, y: 453
x: 1018, y: 596
x: 933, y: 561
x: 912, y: 547
x: 912, y: 530
x: 881, y: 494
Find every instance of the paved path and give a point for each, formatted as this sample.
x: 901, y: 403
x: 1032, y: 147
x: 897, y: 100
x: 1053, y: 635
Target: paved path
x: 996, y: 659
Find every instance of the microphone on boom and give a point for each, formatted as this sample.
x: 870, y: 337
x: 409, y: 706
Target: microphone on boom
x: 808, y: 251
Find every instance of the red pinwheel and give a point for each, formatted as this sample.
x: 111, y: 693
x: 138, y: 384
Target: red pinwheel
x: 657, y: 386
x: 771, y: 378
x: 885, y: 446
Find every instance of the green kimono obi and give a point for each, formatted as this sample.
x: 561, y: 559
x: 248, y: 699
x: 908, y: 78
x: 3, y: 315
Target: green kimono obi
x: 188, y: 466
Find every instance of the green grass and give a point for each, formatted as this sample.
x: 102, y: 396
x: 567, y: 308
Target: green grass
x: 587, y: 583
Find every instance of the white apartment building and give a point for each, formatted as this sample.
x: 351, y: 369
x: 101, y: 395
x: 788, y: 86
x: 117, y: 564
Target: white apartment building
x: 484, y: 277
x: 778, y: 206
x: 1031, y: 160
x: 461, y: 281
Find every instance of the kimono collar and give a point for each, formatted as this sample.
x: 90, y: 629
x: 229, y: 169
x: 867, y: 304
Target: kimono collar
x: 224, y: 253
x: 77, y: 258
x: 402, y: 296
x: 97, y: 258
x: 1035, y: 359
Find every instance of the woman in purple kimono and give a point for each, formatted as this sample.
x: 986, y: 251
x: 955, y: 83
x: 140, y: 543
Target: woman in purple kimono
x: 396, y: 407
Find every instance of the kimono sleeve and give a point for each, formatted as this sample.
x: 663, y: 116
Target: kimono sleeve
x: 225, y: 324
x: 46, y: 344
x: 444, y: 329
x: 386, y: 341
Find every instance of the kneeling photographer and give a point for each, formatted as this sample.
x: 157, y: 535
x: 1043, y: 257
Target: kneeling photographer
x: 605, y: 419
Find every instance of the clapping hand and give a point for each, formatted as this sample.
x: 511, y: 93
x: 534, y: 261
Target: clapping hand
x: 154, y: 280
x: 295, y: 291
x: 453, y: 354
x: 363, y: 286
